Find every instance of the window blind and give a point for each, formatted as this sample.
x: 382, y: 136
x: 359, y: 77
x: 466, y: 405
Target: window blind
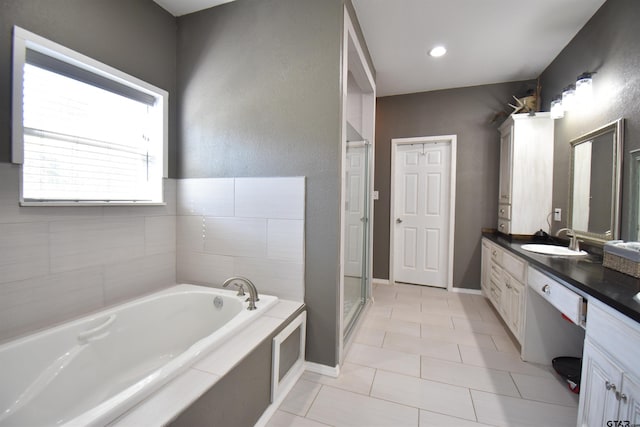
x: 57, y: 66
x: 84, y: 139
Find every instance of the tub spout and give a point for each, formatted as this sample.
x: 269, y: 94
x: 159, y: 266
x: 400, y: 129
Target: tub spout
x: 244, y: 282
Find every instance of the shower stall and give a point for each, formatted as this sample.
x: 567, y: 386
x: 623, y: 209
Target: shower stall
x: 356, y: 230
x: 357, y: 142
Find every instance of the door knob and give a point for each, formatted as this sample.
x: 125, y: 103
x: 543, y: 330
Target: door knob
x: 398, y: 221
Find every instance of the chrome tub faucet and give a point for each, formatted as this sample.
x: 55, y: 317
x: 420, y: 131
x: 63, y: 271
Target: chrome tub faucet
x: 241, y: 283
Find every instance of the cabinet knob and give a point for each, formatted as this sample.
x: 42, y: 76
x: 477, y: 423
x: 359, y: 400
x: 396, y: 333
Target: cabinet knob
x: 621, y: 396
x: 501, y: 225
x: 398, y: 221
x: 547, y: 290
x: 501, y: 211
x: 494, y: 253
x: 611, y: 386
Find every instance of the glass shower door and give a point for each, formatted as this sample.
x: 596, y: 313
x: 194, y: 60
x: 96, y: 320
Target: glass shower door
x: 357, y: 213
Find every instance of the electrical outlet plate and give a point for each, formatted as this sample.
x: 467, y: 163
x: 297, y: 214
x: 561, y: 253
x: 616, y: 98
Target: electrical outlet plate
x: 557, y: 214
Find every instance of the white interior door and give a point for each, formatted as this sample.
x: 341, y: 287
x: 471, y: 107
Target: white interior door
x: 354, y: 209
x: 422, y: 213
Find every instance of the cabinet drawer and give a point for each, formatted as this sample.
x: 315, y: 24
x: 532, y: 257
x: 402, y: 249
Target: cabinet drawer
x: 514, y: 266
x: 496, y: 273
x: 504, y: 211
x: 496, y: 254
x: 566, y: 301
x: 504, y: 226
x: 614, y: 332
x: 495, y: 293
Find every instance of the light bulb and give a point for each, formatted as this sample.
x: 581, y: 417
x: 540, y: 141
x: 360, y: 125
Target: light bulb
x: 584, y: 88
x: 557, y: 110
x: 438, y: 51
x: 569, y: 97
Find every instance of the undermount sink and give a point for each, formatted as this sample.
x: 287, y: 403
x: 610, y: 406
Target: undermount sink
x: 552, y: 250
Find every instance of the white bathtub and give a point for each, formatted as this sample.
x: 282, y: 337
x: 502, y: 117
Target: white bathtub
x: 89, y: 371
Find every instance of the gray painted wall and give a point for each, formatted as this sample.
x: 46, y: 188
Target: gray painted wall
x: 239, y: 398
x: 466, y: 112
x: 259, y: 90
x: 134, y: 36
x: 608, y: 44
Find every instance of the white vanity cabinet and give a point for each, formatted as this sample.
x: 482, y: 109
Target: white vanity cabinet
x: 610, y: 385
x: 503, y: 276
x: 526, y: 173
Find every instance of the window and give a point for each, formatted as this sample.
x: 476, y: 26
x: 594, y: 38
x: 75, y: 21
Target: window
x: 84, y: 133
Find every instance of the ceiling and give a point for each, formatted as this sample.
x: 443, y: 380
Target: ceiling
x: 488, y: 41
x: 183, y: 7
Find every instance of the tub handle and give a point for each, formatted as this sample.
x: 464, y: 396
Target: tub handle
x: 95, y: 333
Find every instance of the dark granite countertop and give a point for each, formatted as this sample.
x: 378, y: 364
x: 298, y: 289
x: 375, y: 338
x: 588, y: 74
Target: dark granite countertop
x: 585, y: 275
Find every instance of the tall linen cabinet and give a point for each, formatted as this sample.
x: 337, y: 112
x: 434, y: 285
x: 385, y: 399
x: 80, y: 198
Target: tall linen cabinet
x: 526, y: 173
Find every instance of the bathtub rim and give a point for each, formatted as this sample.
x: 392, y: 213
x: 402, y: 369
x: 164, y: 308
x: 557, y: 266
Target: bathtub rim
x: 162, y: 407
x: 98, y: 313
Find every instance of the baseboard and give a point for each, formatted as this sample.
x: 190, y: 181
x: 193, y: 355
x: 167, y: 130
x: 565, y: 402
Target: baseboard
x: 317, y: 368
x: 380, y: 281
x: 467, y: 291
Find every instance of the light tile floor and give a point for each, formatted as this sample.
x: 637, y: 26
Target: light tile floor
x: 426, y: 357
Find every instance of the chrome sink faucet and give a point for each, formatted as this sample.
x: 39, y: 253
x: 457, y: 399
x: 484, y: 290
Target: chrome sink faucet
x: 241, y: 283
x: 574, y: 243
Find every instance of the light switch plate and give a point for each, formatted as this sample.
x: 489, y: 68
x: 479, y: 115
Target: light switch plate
x: 557, y: 214
x: 376, y: 195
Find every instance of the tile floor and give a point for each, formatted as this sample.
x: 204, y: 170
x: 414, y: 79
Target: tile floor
x: 426, y: 357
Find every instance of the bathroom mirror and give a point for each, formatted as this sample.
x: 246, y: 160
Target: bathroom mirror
x: 594, y: 183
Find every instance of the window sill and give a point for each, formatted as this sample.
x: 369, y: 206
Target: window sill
x: 67, y: 204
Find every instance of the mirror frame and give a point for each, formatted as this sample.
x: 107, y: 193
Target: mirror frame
x: 617, y: 128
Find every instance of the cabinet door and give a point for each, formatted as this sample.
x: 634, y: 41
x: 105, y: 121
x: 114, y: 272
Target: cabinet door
x: 601, y: 378
x: 506, y: 148
x: 486, y: 268
x: 516, y: 303
x: 495, y: 286
x: 629, y: 401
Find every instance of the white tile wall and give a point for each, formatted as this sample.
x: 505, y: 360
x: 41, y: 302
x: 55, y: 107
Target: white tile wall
x: 62, y: 262
x: 133, y: 277
x: 206, y: 196
x: 285, y: 238
x: 58, y: 263
x: 257, y: 231
x: 23, y: 251
x: 93, y: 242
x: 199, y: 268
x: 236, y: 236
x: 38, y: 302
x: 270, y: 197
x: 190, y: 233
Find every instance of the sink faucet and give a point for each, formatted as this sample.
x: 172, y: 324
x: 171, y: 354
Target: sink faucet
x: 253, y: 292
x: 574, y: 243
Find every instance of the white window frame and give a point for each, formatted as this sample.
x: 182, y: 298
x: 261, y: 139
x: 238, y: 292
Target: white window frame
x: 23, y: 40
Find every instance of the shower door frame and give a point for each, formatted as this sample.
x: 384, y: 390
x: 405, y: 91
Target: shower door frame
x: 353, y: 59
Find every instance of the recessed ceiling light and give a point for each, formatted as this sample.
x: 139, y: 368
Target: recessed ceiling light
x: 437, y: 51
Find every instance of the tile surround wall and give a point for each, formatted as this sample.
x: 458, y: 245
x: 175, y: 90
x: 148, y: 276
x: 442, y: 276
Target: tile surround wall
x: 57, y: 263
x: 61, y: 262
x: 251, y: 227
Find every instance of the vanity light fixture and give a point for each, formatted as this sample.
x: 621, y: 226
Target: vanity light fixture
x: 573, y: 96
x: 584, y: 87
x: 557, y: 110
x: 437, y: 51
x: 569, y: 97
